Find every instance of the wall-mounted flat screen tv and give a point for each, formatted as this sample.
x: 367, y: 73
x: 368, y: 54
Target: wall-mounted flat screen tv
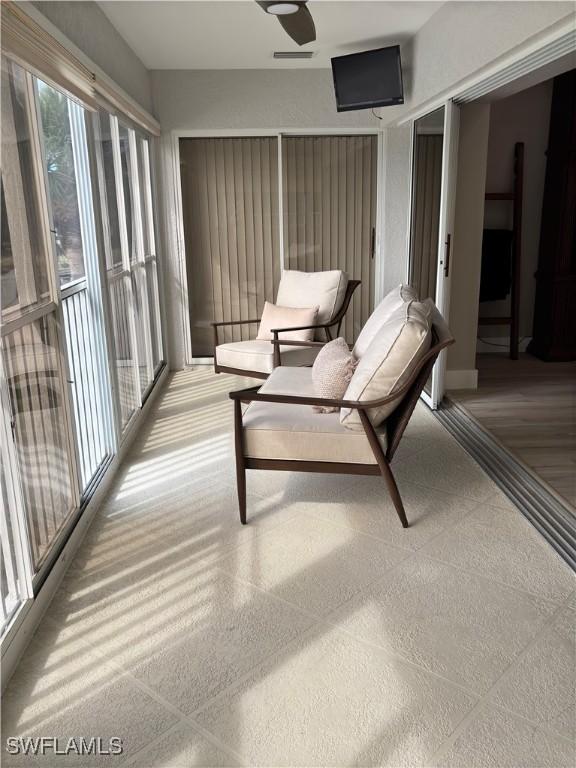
x: 368, y: 79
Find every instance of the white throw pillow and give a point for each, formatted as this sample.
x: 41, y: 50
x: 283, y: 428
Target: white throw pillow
x: 389, y: 361
x: 331, y: 372
x: 307, y: 289
x: 389, y: 304
x: 275, y: 316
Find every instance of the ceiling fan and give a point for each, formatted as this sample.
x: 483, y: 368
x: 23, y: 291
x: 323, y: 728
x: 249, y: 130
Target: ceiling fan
x: 295, y: 18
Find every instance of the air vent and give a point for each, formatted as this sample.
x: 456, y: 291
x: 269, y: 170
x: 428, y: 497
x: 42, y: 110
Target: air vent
x: 293, y: 54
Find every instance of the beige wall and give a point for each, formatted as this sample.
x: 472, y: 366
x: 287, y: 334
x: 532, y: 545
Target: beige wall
x: 463, y: 38
x: 204, y: 99
x: 467, y: 251
x: 396, y: 206
x: 522, y: 117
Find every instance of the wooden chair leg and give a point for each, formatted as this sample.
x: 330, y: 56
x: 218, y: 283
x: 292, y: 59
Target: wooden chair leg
x: 240, y: 465
x: 384, y: 466
x: 241, y: 485
x: 394, y: 492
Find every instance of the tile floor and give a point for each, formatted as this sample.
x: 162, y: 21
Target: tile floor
x: 321, y: 634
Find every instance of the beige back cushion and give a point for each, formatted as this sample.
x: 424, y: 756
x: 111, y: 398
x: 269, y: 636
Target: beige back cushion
x: 443, y: 332
x: 275, y: 316
x: 389, y: 361
x: 389, y: 304
x: 309, y: 289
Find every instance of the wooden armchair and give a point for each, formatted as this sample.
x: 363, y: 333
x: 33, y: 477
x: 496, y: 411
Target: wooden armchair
x: 258, y: 359
x: 280, y: 422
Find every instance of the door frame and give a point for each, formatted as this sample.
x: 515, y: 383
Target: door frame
x: 543, y: 49
x: 549, y: 46
x: 445, y: 232
x: 176, y: 221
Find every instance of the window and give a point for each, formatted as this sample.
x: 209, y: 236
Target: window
x: 15, y: 576
x: 150, y: 253
x: 118, y: 264
x: 24, y: 274
x: 35, y: 385
x: 110, y: 199
x: 127, y: 185
x: 59, y: 159
x: 58, y: 334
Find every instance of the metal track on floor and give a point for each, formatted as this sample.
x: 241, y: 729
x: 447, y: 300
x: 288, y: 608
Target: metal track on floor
x: 555, y: 520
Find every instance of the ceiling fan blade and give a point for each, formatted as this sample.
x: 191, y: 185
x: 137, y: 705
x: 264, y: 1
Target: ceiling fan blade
x: 299, y: 25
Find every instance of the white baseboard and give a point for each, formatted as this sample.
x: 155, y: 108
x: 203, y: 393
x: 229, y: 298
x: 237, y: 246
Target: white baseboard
x: 499, y: 345
x: 462, y: 379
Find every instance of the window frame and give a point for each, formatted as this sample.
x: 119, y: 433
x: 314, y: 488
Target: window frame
x: 23, y: 314
x: 53, y: 308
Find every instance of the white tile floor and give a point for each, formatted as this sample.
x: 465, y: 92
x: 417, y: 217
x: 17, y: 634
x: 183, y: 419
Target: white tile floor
x: 321, y: 634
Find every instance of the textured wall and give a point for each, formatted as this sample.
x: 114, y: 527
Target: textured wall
x: 89, y: 29
x: 250, y: 98
x: 463, y: 37
x: 396, y: 203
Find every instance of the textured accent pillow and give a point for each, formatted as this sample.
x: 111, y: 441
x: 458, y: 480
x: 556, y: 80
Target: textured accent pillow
x: 274, y: 316
x: 389, y: 361
x: 332, y: 371
x: 390, y: 303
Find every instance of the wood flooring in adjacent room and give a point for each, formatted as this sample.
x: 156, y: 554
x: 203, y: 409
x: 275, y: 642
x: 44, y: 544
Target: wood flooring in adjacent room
x: 530, y: 407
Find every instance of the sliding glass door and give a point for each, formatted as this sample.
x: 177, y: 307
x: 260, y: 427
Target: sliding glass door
x: 78, y: 293
x: 118, y: 282
x: 15, y: 555
x: 254, y: 206
x: 329, y: 212
x: 34, y: 368
x: 72, y: 222
x: 131, y: 261
x: 434, y: 149
x: 231, y: 227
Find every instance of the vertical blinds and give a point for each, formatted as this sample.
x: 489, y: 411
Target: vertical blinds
x: 426, y: 214
x: 230, y: 211
x: 329, y: 211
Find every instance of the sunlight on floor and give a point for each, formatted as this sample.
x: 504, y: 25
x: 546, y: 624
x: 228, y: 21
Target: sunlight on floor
x: 322, y: 633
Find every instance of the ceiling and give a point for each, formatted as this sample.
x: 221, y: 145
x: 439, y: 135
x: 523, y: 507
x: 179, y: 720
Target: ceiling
x: 238, y: 34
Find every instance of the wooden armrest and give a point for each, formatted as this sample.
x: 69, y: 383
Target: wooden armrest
x: 363, y: 405
x: 297, y: 343
x: 250, y: 395
x: 224, y: 323
x: 276, y: 331
x: 234, y: 322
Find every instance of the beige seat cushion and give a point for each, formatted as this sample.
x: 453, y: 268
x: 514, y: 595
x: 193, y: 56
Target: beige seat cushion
x: 381, y: 314
x: 275, y: 316
x: 259, y: 355
x: 298, y: 433
x: 389, y: 361
x: 326, y: 290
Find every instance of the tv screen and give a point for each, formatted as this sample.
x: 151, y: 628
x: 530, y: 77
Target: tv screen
x: 369, y: 79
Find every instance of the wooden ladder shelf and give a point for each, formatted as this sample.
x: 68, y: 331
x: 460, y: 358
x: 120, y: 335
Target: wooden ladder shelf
x: 515, y: 197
